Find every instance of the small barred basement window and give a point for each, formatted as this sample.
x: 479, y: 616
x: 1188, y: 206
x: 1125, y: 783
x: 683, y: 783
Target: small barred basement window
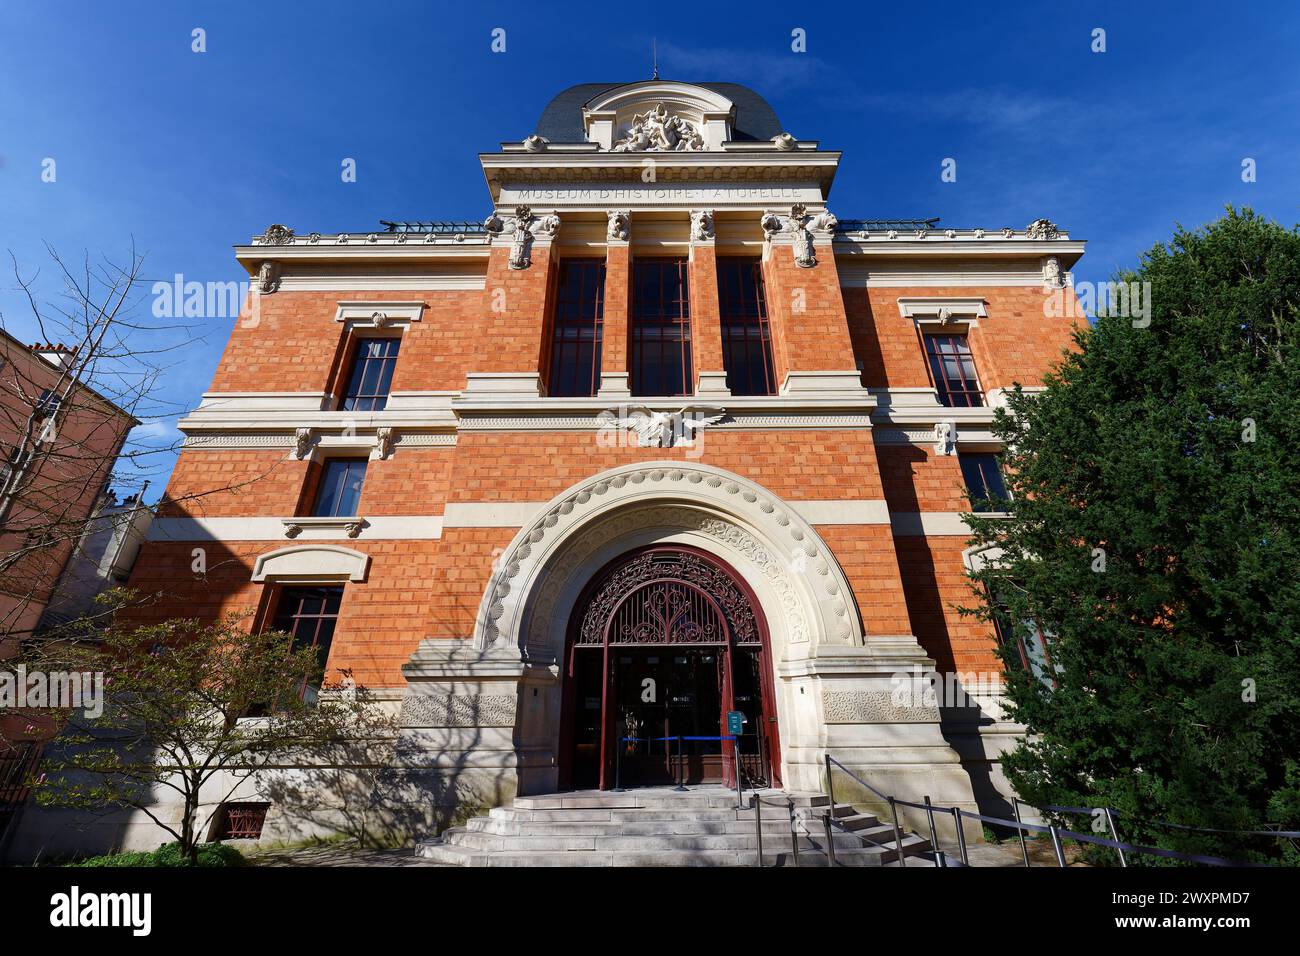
x: 240, y: 821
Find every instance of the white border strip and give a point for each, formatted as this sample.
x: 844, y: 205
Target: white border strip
x: 381, y: 528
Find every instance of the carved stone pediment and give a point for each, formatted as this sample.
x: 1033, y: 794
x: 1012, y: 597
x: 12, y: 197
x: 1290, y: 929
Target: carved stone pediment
x: 658, y: 130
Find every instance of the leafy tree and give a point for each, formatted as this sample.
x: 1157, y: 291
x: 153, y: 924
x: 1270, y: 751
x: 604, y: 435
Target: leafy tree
x: 176, y: 716
x: 1155, y: 540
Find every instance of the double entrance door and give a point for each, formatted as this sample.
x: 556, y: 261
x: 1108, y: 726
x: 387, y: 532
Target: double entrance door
x: 654, y: 666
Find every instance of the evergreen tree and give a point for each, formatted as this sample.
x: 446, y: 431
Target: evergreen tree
x: 1154, y: 539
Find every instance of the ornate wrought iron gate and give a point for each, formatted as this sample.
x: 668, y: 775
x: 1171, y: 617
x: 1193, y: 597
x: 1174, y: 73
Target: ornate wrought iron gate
x: 662, y: 644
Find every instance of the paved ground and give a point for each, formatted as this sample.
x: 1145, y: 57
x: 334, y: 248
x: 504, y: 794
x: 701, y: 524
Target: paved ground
x: 337, y: 854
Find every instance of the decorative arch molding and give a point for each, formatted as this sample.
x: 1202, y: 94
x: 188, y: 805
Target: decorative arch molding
x: 311, y: 563
x: 609, y: 115
x: 741, y: 518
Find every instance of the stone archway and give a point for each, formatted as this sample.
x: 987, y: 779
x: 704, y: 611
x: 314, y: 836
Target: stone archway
x: 733, y: 512
x: 490, y: 708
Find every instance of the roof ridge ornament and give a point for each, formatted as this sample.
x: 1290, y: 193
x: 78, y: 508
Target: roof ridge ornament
x: 276, y: 235
x: 1042, y: 229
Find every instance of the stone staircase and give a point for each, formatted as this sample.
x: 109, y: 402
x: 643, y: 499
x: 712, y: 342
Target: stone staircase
x: 662, y: 827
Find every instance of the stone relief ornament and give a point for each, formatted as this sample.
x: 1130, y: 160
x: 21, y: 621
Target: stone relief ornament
x: 657, y: 130
x: 276, y: 235
x: 772, y: 225
x: 535, y: 143
x: 384, y: 439
x: 620, y: 225
x: 803, y: 227
x: 661, y: 429
x: 380, y: 319
x: 1008, y: 232
x: 1042, y: 229
x: 522, y: 227
x: 353, y: 528
x: 979, y: 233
x: 702, y: 225
x: 268, y: 277
x: 945, y: 438
x: 292, y: 529
x: 785, y: 142
x: 301, y: 442
x: 1052, y: 275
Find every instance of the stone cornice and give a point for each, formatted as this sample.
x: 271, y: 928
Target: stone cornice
x: 735, y: 167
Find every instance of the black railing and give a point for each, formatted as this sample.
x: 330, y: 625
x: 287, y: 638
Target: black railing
x: 1057, y: 834
x: 867, y: 225
x: 425, y: 227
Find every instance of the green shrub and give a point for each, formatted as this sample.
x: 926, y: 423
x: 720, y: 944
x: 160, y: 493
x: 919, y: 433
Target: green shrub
x: 210, y: 854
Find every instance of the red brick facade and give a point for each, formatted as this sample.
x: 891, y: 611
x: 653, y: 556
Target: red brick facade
x: 856, y: 442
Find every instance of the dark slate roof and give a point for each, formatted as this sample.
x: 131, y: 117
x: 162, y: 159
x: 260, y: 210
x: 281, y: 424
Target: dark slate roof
x: 561, y: 121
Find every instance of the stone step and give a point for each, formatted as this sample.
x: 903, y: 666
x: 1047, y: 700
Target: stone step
x: 665, y: 811
x: 632, y: 825
x: 772, y: 856
x: 638, y: 843
x: 661, y: 827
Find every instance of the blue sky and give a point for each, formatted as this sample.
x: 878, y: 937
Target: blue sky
x: 189, y: 153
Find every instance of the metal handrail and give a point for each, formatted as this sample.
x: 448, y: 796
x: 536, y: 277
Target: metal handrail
x: 1055, y: 832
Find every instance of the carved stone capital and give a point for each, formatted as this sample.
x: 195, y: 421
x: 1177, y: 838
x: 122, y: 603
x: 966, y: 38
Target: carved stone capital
x: 702, y: 225
x: 268, y: 277
x: 301, y: 442
x: 619, y: 228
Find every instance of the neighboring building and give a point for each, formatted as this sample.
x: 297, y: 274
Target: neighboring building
x: 59, y: 440
x: 102, y: 559
x: 660, y: 440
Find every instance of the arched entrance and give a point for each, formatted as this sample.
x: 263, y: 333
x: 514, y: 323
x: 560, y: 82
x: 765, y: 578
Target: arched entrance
x: 664, y: 642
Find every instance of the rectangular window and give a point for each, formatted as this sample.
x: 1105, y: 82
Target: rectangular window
x: 953, y: 369
x: 746, y: 335
x: 340, y: 487
x: 309, y: 615
x: 661, y: 327
x: 240, y: 821
x: 1031, y: 645
x: 579, y: 315
x: 372, y: 374
x: 48, y: 403
x: 984, y: 481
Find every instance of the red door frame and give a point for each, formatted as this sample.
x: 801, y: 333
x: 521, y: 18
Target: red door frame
x: 771, y: 729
